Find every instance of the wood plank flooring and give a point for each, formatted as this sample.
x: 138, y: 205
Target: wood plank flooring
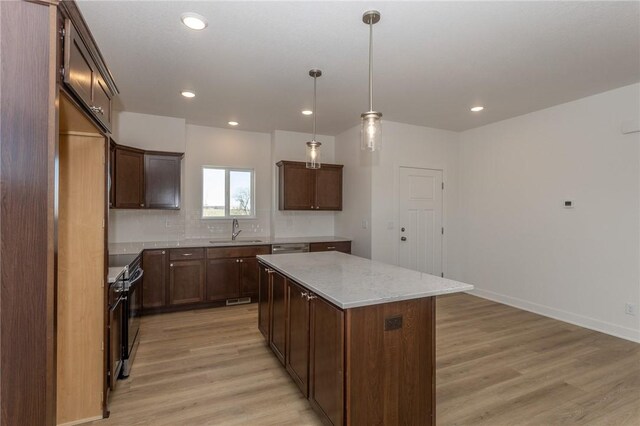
x: 496, y: 365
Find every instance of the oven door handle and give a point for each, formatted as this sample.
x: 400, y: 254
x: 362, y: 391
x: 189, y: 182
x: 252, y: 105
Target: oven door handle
x: 137, y: 278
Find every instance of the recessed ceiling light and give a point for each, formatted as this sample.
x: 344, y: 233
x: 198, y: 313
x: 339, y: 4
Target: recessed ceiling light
x: 477, y: 108
x: 233, y: 123
x: 307, y: 112
x: 194, y: 21
x: 188, y: 94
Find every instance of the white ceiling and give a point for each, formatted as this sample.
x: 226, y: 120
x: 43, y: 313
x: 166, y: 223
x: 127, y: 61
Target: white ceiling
x: 432, y: 60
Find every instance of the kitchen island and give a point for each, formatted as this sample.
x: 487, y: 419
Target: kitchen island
x: 356, y: 336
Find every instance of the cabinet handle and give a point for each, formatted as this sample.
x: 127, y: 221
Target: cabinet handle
x: 241, y: 261
x: 304, y: 294
x: 171, y: 265
x: 97, y: 110
x: 162, y: 251
x: 270, y: 271
x: 141, y: 204
x: 312, y: 207
x: 331, y: 248
x: 187, y: 254
x: 311, y: 296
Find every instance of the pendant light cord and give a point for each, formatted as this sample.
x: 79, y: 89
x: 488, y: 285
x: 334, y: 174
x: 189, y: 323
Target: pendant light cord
x: 314, y: 107
x: 371, y: 64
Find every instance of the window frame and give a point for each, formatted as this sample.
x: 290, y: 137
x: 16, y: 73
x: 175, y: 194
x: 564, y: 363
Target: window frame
x: 227, y: 193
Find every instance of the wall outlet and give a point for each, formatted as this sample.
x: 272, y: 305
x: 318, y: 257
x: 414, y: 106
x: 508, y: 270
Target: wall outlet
x: 630, y: 309
x: 365, y: 224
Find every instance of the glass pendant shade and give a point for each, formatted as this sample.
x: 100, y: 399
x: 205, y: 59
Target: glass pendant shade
x: 313, y: 155
x: 371, y: 131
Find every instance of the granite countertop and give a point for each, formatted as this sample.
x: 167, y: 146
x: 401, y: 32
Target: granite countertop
x: 137, y: 247
x: 350, y: 281
x: 114, y: 273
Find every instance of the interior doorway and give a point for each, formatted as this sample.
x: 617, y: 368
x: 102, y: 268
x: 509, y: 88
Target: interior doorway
x: 420, y: 219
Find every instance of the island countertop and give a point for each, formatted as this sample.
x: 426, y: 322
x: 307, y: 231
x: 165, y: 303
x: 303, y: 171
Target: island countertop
x: 349, y: 281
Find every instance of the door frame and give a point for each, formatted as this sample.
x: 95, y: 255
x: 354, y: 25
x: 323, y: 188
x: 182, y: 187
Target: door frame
x: 396, y: 248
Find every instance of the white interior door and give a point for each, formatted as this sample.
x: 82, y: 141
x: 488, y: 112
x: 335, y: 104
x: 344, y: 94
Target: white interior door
x: 420, y: 220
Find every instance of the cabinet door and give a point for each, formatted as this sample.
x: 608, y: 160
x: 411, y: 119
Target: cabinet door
x: 112, y: 175
x: 264, y: 297
x: 101, y: 104
x: 186, y: 282
x: 328, y: 188
x: 295, y: 187
x: 154, y: 280
x: 249, y: 277
x: 326, y: 369
x: 162, y: 181
x: 223, y: 279
x: 129, y: 178
x: 79, y: 68
x: 278, y: 314
x: 297, y: 359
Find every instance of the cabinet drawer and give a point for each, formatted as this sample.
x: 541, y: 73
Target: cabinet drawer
x: 343, y: 246
x: 244, y: 251
x: 186, y: 254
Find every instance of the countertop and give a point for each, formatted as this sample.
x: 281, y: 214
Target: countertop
x: 137, y: 247
x: 350, y: 281
x: 114, y: 273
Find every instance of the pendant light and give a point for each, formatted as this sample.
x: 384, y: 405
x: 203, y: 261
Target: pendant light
x: 313, y: 146
x: 371, y: 132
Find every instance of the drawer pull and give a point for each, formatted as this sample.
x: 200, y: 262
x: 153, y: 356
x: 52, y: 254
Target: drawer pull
x: 187, y: 254
x: 304, y: 294
x: 311, y: 296
x: 331, y: 248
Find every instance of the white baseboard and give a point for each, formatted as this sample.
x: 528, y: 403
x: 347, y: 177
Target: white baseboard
x: 579, y: 320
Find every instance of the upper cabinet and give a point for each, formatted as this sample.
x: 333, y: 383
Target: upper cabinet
x: 145, y: 179
x: 84, y: 73
x: 162, y: 180
x: 300, y: 188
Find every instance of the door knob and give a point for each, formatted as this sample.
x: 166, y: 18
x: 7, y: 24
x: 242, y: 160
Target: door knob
x: 403, y: 238
x: 402, y: 229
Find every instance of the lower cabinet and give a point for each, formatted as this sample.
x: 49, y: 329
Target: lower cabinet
x: 297, y: 359
x: 223, y: 278
x: 278, y: 314
x: 326, y: 366
x: 343, y: 246
x: 186, y: 281
x: 264, y: 300
x: 154, y: 280
x: 249, y: 277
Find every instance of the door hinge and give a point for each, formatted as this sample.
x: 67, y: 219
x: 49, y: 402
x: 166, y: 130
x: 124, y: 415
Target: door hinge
x: 62, y: 33
x: 443, y: 185
x: 62, y: 71
x: 442, y: 230
x: 442, y: 274
x: 102, y: 346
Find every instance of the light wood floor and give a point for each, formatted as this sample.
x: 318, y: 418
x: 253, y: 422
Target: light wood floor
x: 496, y: 365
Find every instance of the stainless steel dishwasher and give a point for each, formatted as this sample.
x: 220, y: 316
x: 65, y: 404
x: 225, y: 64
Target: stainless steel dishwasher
x: 290, y: 248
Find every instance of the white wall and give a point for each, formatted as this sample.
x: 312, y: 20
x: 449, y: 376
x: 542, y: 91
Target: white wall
x: 354, y: 221
x: 413, y: 146
x: 292, y: 146
x: 521, y: 246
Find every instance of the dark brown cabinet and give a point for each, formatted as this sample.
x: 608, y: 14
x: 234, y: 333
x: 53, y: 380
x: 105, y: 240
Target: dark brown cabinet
x: 326, y: 366
x: 297, y: 359
x: 144, y: 179
x: 223, y: 278
x: 82, y: 76
x: 300, y: 188
x: 343, y: 246
x: 278, y: 314
x: 154, y: 280
x: 129, y: 178
x: 232, y: 272
x: 186, y: 281
x: 264, y: 301
x: 162, y: 180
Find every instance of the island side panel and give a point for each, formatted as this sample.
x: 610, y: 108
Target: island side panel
x: 391, y: 363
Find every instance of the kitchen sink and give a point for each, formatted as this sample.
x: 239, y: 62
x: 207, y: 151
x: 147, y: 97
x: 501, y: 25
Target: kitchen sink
x: 234, y: 242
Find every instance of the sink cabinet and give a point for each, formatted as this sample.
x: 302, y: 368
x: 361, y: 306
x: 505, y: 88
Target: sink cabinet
x: 232, y: 272
x: 186, y: 282
x: 300, y: 188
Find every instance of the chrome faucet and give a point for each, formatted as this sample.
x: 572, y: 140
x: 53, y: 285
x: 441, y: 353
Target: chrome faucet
x: 234, y: 230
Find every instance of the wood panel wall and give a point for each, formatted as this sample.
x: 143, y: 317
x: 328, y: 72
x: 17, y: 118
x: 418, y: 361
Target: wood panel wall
x: 28, y: 120
x: 81, y: 220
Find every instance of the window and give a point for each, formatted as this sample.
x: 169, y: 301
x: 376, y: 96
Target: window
x: 227, y: 192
